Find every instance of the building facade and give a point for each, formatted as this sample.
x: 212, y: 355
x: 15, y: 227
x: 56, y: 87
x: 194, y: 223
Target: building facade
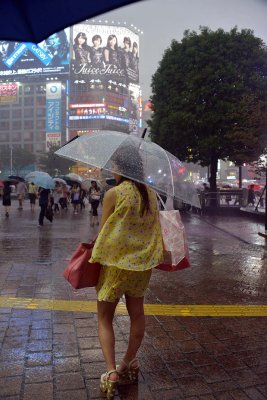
x: 80, y: 80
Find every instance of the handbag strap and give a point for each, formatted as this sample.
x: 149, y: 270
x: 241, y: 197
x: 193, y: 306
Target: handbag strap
x: 161, y: 201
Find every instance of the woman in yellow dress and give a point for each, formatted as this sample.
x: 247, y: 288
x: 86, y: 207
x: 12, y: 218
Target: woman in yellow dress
x: 128, y: 246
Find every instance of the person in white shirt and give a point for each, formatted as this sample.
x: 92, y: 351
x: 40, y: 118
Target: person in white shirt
x: 21, y: 191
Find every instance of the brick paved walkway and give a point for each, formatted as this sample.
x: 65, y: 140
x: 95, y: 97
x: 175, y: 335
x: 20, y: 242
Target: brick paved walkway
x: 48, y: 354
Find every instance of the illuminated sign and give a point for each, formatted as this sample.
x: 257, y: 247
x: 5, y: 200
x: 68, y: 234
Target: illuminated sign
x: 135, y: 108
x: 48, y: 57
x: 87, y: 105
x: 103, y: 52
x: 53, y: 114
x: 8, y: 93
x: 81, y: 112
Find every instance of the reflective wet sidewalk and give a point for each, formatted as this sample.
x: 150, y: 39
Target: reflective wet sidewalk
x: 48, y: 331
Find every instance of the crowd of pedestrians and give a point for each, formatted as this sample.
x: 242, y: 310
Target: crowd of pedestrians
x: 52, y: 201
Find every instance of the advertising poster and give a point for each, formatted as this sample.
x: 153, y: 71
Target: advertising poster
x: 8, y: 93
x: 53, y: 114
x: 135, y: 113
x: 105, y: 53
x: 26, y: 59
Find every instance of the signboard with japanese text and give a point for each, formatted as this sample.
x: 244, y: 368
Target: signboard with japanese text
x: 8, y: 93
x: 27, y: 59
x: 53, y: 114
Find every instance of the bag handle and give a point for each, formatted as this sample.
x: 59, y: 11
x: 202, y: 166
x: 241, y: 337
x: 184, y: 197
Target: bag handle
x: 161, y: 201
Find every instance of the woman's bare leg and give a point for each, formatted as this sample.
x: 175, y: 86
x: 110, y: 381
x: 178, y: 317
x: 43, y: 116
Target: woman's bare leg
x: 135, y: 307
x: 105, y: 312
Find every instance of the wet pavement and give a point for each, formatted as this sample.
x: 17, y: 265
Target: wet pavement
x: 50, y: 349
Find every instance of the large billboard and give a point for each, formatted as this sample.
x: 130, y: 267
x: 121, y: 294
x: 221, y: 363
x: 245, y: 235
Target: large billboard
x: 104, y: 53
x: 27, y: 59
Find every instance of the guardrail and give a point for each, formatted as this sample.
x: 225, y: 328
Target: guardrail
x: 223, y: 198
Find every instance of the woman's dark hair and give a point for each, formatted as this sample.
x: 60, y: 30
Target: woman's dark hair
x: 127, y: 40
x: 96, y: 37
x: 135, y: 46
x: 127, y: 158
x: 6, y: 184
x: 95, y: 185
x: 83, y: 36
x: 110, y: 38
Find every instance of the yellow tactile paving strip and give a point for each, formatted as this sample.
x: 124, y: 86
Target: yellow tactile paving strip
x: 150, y: 309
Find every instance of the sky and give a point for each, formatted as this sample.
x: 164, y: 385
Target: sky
x: 164, y: 20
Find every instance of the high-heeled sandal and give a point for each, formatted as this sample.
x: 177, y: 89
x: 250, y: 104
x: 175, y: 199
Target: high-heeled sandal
x: 129, y: 373
x: 107, y: 386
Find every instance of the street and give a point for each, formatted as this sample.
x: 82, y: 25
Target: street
x: 206, y: 334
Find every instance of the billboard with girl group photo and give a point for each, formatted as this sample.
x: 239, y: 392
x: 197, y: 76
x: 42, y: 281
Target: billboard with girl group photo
x: 106, y: 53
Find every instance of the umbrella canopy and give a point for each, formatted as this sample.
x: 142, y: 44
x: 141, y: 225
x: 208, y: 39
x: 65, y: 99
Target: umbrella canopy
x: 41, y: 179
x: 136, y: 159
x: 60, y: 180
x: 33, y: 21
x: 255, y: 186
x: 16, y: 178
x: 73, y: 178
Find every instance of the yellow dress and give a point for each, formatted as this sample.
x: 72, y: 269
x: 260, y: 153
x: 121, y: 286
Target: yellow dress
x: 128, y: 240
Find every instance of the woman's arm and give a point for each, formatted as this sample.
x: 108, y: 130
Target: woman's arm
x: 109, y: 203
x: 106, y: 55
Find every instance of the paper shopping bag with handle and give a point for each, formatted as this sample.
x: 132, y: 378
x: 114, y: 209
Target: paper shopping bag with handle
x: 176, y: 255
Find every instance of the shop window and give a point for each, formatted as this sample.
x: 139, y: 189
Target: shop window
x: 16, y: 124
x: 28, y: 135
x: 28, y: 89
x: 16, y: 113
x: 4, y: 114
x: 4, y: 125
x: 40, y: 123
x: 28, y: 124
x: 40, y: 100
x: 16, y: 136
x: 28, y: 112
x: 28, y: 101
x: 40, y: 112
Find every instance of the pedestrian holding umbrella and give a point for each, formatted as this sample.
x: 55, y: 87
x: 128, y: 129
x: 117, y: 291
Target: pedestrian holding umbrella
x: 60, y: 180
x: 41, y: 179
x: 129, y: 244
x: 16, y: 178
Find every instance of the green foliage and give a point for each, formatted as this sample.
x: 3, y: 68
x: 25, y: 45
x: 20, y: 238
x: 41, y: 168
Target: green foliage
x: 21, y: 158
x: 53, y: 164
x: 210, y: 98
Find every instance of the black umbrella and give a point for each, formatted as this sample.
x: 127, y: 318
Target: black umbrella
x: 33, y: 20
x: 16, y: 178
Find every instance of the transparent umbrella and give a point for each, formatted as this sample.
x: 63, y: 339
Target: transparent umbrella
x: 134, y: 158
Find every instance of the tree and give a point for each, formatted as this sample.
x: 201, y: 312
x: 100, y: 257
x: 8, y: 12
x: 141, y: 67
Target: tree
x: 209, y: 97
x: 21, y: 158
x: 54, y: 164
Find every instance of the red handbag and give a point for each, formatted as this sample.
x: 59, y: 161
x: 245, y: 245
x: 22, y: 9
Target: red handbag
x: 80, y: 273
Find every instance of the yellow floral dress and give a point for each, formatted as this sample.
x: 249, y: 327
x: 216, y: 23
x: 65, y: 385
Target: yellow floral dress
x: 128, y: 240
